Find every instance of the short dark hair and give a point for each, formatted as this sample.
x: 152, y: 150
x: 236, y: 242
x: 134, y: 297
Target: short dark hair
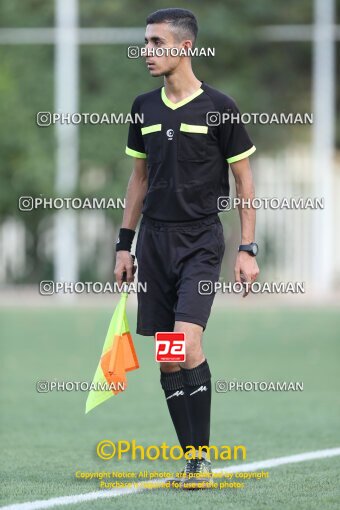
x: 181, y: 19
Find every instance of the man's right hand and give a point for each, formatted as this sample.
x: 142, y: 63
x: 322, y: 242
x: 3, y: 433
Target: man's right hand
x: 124, y: 262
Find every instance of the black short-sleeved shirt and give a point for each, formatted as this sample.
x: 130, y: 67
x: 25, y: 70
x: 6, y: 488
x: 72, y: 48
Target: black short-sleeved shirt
x: 187, y: 159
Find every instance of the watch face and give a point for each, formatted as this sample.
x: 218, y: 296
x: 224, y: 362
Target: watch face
x: 255, y: 248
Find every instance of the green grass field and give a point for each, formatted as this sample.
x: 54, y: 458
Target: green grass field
x: 46, y: 438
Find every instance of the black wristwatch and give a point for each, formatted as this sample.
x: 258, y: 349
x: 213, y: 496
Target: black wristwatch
x: 251, y: 248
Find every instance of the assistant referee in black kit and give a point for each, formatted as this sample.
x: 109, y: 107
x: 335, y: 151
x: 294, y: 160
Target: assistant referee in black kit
x: 180, y: 169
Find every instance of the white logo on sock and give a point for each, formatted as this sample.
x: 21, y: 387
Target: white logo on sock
x: 176, y: 394
x: 201, y: 388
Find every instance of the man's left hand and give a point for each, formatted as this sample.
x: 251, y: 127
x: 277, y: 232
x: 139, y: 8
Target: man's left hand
x: 246, y: 270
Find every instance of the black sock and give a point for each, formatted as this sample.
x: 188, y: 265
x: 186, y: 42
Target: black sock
x: 197, y: 388
x: 172, y: 384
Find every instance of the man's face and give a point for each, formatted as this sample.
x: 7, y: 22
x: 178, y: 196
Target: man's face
x: 161, y: 36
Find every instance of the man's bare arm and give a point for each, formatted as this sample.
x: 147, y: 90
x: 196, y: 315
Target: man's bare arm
x: 135, y: 194
x: 246, y: 265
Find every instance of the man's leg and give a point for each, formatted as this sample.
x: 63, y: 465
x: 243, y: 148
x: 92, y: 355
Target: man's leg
x: 197, y: 383
x: 173, y: 386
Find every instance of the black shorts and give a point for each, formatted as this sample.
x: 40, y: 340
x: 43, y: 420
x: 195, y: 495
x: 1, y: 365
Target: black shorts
x: 172, y: 259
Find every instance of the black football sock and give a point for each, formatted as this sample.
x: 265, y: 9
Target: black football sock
x: 197, y: 388
x: 172, y: 384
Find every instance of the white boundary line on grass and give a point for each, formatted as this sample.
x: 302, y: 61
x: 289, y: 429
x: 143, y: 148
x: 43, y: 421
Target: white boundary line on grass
x: 113, y: 493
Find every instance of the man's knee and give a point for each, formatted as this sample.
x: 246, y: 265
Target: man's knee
x: 169, y: 367
x: 193, y: 343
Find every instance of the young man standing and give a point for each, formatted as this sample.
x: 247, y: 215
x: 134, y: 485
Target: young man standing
x: 180, y: 170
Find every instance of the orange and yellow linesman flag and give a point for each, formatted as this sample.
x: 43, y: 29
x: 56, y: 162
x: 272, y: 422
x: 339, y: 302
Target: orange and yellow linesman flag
x: 118, y: 357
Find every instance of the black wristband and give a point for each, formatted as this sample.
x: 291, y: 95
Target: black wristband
x: 125, y: 238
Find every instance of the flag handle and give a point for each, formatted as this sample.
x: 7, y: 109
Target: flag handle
x: 117, y: 338
x: 125, y: 284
